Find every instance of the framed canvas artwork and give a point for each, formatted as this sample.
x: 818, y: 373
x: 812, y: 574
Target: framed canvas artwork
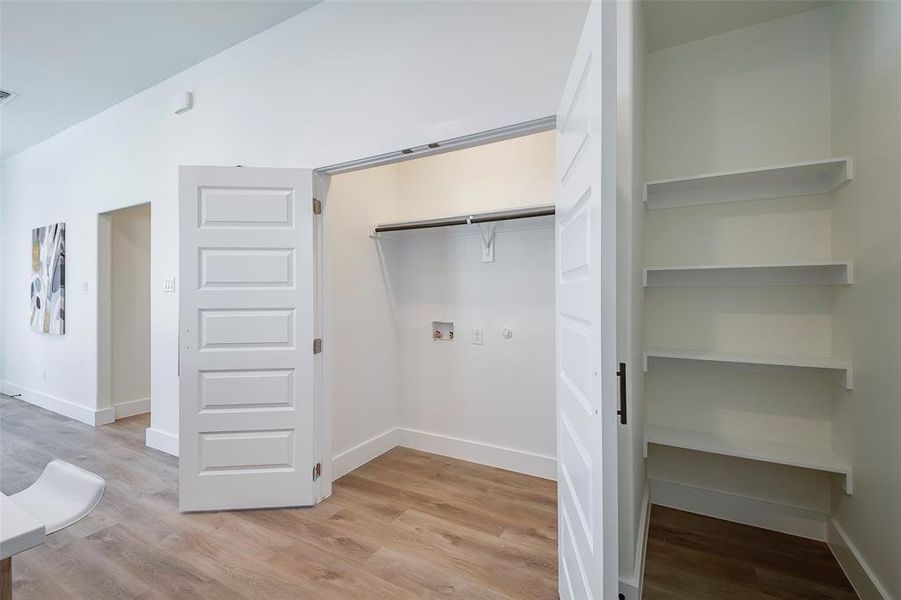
x: 48, y: 279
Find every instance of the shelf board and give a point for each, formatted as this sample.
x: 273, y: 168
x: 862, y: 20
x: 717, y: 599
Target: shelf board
x: 781, y: 360
x: 796, y: 179
x: 805, y: 457
x: 809, y: 273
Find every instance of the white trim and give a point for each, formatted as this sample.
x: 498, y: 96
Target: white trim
x: 448, y: 145
x: 348, y: 460
x: 61, y: 406
x: 518, y: 461
x: 803, y: 522
x: 510, y: 459
x: 859, y: 573
x: 162, y: 441
x: 631, y: 587
x: 132, y: 408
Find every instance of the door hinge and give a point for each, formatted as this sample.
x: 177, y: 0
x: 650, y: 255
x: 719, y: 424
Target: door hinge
x: 317, y: 207
x: 317, y: 471
x: 621, y: 373
x: 317, y: 345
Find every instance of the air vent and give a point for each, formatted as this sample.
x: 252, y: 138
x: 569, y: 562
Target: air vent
x: 6, y: 97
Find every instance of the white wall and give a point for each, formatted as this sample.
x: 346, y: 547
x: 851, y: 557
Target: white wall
x: 362, y: 366
x: 500, y: 393
x: 341, y: 81
x: 752, y: 97
x: 630, y: 292
x: 390, y: 383
x: 130, y: 310
x: 866, y: 97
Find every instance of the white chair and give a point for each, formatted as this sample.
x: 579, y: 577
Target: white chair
x: 61, y: 496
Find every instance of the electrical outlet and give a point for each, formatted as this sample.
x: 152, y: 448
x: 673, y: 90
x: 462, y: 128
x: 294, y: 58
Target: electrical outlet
x: 477, y: 334
x: 169, y: 284
x: 84, y: 287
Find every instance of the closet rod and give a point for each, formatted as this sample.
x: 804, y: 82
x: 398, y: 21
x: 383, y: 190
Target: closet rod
x: 525, y: 213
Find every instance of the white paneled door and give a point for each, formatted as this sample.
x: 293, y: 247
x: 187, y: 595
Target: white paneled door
x: 246, y: 317
x: 586, y: 316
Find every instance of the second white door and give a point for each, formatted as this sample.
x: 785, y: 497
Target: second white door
x: 246, y: 317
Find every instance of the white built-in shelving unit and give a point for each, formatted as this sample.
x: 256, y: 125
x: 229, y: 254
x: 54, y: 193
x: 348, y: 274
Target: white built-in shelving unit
x: 780, y: 181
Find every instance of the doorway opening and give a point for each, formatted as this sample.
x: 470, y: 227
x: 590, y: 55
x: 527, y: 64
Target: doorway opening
x: 438, y: 328
x: 123, y: 286
x: 453, y: 352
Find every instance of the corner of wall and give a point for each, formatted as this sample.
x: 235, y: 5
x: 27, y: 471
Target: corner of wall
x: 859, y: 573
x: 162, y: 441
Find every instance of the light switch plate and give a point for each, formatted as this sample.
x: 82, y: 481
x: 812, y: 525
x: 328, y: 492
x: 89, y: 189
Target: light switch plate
x: 477, y: 335
x: 169, y: 284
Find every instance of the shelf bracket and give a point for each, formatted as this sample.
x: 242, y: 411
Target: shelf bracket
x: 847, y: 483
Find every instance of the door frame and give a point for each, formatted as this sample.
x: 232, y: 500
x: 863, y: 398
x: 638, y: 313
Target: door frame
x: 322, y: 439
x: 107, y: 411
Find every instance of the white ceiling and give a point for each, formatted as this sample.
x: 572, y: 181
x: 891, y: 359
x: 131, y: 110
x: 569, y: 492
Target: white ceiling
x: 70, y: 59
x: 672, y: 22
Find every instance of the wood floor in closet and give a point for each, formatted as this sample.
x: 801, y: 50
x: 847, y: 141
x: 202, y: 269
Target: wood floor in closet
x: 407, y: 525
x: 692, y: 556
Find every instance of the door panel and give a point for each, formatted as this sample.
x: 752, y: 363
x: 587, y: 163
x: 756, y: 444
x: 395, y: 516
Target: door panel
x: 586, y: 316
x: 246, y: 317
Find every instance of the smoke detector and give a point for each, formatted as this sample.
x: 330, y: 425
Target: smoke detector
x: 6, y: 97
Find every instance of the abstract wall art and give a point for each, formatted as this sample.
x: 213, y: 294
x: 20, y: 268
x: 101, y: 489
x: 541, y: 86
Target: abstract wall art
x: 48, y: 279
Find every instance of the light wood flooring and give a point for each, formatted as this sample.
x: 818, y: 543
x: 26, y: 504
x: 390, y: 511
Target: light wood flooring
x: 407, y: 525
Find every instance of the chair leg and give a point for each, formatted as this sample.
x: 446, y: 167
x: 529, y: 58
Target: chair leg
x: 6, y: 579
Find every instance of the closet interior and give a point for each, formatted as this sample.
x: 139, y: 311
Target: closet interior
x: 439, y: 313
x: 745, y: 364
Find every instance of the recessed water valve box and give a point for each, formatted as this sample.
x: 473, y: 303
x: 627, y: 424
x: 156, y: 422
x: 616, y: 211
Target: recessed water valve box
x: 443, y: 331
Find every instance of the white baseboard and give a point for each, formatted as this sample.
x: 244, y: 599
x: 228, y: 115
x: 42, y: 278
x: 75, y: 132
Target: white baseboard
x: 793, y: 520
x: 132, y: 407
x: 859, y: 573
x: 162, y: 441
x: 510, y: 459
x: 477, y: 452
x: 345, y: 462
x: 61, y: 406
x: 631, y: 587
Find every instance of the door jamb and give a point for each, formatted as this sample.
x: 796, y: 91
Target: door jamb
x: 322, y: 401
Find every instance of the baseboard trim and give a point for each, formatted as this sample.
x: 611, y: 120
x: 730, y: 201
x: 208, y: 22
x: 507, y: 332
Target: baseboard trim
x: 631, y: 587
x: 132, y: 407
x: 477, y: 452
x: 793, y: 520
x: 60, y: 406
x: 510, y: 459
x: 348, y: 460
x: 162, y: 441
x: 859, y: 573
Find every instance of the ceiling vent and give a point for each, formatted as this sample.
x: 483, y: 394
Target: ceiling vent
x: 6, y: 97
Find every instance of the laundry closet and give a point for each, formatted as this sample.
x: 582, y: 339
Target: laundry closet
x: 438, y: 311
